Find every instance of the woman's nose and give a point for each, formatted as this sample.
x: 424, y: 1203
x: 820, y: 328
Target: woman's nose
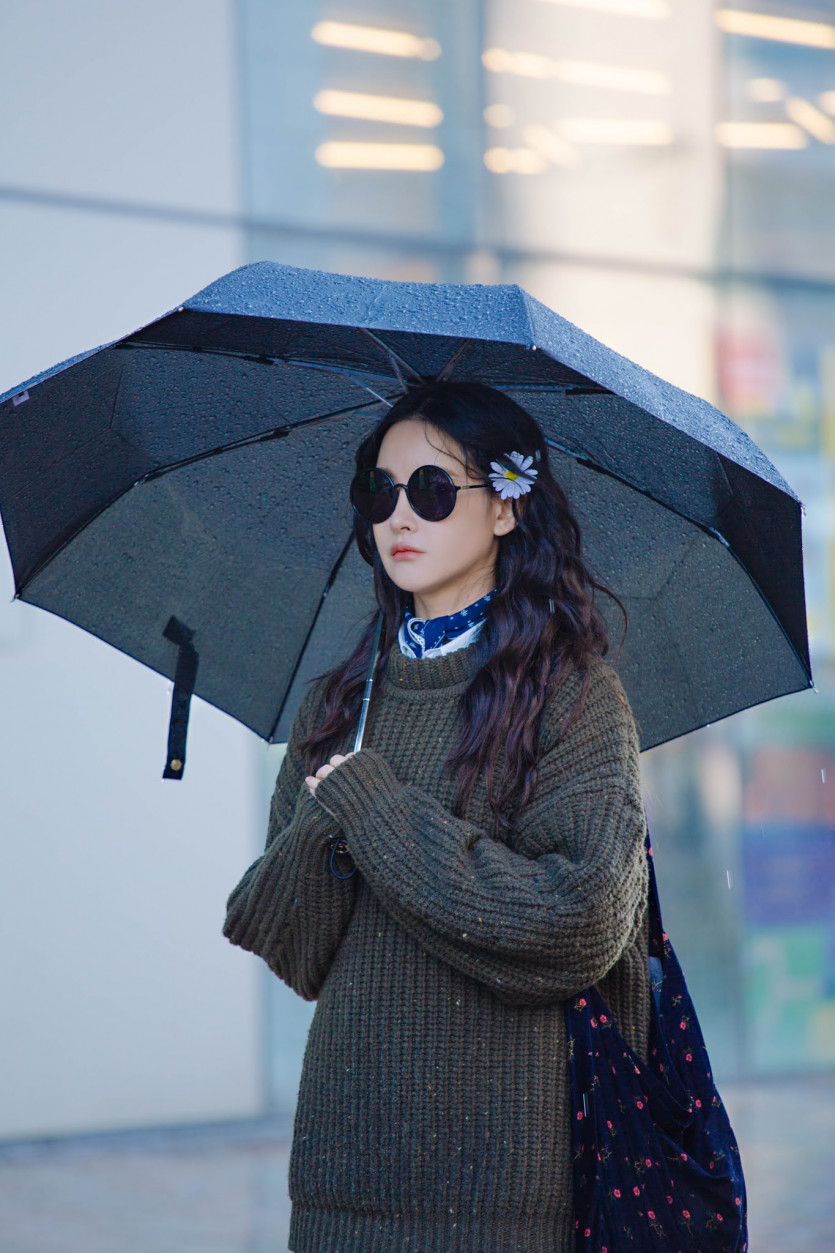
x: 402, y: 507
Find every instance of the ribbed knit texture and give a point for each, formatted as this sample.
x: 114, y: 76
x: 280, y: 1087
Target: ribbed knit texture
x: 433, y: 1106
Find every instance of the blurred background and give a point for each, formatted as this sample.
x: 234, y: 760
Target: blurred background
x: 661, y: 172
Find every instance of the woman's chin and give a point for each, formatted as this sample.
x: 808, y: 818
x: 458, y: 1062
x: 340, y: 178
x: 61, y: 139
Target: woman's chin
x: 404, y: 576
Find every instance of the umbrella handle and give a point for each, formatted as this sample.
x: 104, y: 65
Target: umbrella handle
x: 368, y: 683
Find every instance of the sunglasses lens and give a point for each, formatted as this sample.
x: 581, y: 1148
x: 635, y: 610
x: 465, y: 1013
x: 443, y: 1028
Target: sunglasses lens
x: 372, y: 495
x: 432, y: 493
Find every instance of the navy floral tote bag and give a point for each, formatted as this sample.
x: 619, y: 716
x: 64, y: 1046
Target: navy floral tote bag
x: 656, y: 1163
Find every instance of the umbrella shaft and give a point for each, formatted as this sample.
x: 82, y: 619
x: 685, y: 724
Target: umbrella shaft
x: 366, y: 699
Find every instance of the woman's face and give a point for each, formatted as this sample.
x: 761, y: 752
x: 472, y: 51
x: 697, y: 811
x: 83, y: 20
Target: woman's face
x: 454, y: 562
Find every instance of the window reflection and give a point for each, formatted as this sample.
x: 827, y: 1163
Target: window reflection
x: 662, y: 174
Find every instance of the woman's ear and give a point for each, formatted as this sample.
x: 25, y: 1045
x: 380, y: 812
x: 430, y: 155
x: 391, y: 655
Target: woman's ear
x: 504, y: 519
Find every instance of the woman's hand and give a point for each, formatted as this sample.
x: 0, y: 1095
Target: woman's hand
x: 312, y: 780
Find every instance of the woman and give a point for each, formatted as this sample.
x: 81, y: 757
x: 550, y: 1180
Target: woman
x: 481, y: 859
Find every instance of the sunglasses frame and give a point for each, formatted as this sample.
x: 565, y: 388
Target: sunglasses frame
x: 457, y: 487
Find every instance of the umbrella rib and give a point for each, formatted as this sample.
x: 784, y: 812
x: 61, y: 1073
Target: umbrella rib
x: 331, y: 578
x: 446, y: 368
x: 708, y: 530
x: 399, y: 363
x: 356, y: 375
x: 265, y: 359
x: 258, y: 358
x: 565, y: 389
x: 277, y: 432
x: 351, y: 374
x: 789, y: 691
x: 587, y: 461
x: 590, y: 464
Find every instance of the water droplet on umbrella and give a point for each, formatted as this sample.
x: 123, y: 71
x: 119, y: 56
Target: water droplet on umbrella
x: 730, y: 878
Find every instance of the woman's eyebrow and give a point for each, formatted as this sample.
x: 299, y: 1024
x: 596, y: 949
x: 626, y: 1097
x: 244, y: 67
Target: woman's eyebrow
x: 392, y: 475
x: 389, y: 472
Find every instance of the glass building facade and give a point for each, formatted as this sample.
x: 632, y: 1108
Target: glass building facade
x: 661, y: 172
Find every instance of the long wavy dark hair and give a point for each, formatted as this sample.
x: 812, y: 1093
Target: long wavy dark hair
x: 526, y: 645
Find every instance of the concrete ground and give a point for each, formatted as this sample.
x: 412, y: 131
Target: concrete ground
x: 223, y: 1189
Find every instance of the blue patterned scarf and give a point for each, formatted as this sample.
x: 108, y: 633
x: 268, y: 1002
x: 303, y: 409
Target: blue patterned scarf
x: 423, y: 634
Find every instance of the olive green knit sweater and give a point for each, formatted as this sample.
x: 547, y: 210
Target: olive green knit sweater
x: 433, y: 1111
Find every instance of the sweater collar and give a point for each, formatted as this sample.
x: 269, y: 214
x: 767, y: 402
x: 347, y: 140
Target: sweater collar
x: 455, y: 669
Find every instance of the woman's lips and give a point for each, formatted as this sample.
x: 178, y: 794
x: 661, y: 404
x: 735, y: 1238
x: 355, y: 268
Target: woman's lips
x: 406, y: 552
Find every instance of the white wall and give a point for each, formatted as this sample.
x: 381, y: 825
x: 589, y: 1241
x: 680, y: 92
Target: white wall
x: 120, y: 1001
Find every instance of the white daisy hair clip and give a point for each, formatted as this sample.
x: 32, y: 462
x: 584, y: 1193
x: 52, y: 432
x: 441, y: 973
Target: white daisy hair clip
x: 515, y: 482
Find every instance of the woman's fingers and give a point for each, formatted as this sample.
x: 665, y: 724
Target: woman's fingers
x: 312, y: 781
x: 338, y: 757
x: 332, y: 764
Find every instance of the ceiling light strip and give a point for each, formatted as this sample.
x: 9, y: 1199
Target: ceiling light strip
x: 789, y: 30
x: 782, y: 135
x: 577, y: 73
x: 375, y: 39
x: 401, y: 111
x: 811, y: 119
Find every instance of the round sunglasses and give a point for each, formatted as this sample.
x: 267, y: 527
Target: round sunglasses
x: 430, y: 491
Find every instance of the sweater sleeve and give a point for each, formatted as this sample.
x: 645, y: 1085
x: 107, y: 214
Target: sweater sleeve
x: 536, y: 926
x: 289, y: 908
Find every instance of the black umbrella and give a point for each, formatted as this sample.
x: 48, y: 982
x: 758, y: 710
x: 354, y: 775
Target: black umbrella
x: 182, y: 493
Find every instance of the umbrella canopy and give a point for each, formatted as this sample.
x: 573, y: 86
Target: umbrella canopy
x: 198, y: 470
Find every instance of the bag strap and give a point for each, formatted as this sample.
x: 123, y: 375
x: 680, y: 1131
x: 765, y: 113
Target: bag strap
x: 657, y: 935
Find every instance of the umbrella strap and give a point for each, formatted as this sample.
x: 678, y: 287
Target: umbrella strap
x: 184, y: 678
